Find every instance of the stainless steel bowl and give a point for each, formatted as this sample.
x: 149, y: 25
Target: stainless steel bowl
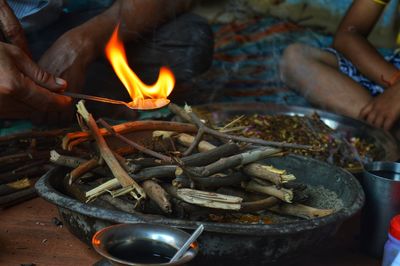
x: 381, y: 183
x: 137, y: 244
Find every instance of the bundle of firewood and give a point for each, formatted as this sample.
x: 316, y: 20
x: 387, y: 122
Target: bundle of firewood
x: 24, y: 157
x: 181, y: 169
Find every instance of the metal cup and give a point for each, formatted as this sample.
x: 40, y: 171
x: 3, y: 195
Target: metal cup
x: 381, y: 184
x: 152, y: 236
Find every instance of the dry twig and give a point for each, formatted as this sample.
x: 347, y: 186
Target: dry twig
x: 108, y: 156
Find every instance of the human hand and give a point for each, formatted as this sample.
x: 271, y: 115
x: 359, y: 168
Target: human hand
x: 26, y: 90
x: 384, y: 110
x: 69, y: 57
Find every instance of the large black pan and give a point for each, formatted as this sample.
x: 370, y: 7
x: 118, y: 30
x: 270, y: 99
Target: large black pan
x: 227, y: 244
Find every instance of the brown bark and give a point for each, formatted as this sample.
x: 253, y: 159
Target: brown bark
x: 233, y: 161
x: 259, y: 205
x: 300, y: 210
x: 128, y: 127
x: 82, y: 169
x: 268, y: 173
x: 108, y: 156
x: 158, y: 195
x: 207, y: 157
x: 17, y: 197
x: 134, y: 144
x: 282, y: 194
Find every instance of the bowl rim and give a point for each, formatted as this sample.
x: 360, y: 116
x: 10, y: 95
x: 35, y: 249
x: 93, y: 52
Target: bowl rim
x: 188, y: 256
x: 383, y: 166
x: 49, y: 193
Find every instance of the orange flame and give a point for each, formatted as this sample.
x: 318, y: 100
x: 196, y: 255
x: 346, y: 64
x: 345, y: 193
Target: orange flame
x: 143, y: 96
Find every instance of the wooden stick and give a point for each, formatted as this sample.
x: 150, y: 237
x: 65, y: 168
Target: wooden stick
x: 283, y: 194
x: 158, y: 195
x: 164, y: 171
x: 259, y: 205
x: 72, y: 162
x: 268, y: 173
x: 187, y: 140
x: 130, y: 127
x: 255, y: 169
x: 104, y: 200
x: 209, y: 199
x: 82, y: 169
x: 207, y: 157
x: 295, y: 186
x: 33, y: 164
x: 108, y: 156
x: 24, y: 156
x: 145, y: 162
x: 123, y: 162
x: 195, y: 142
x: 179, y: 112
x: 65, y: 160
x: 233, y: 161
x: 15, y: 186
x: 17, y: 197
x: 101, y: 189
x: 262, y: 182
x: 184, y: 210
x: 300, y: 210
x: 134, y: 144
x: 182, y: 182
x: 219, y: 180
x: 33, y: 172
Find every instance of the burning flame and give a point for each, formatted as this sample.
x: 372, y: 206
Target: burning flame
x: 143, y: 96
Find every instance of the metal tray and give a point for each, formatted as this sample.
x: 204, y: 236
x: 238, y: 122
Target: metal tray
x: 388, y: 149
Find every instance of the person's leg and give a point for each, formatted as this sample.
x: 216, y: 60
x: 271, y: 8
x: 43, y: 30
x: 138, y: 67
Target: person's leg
x: 184, y: 44
x: 314, y: 73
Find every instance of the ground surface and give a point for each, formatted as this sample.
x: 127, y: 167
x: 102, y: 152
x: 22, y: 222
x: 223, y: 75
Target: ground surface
x: 28, y: 235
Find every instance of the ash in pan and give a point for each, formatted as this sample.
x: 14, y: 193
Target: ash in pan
x: 332, y: 146
x: 323, y: 198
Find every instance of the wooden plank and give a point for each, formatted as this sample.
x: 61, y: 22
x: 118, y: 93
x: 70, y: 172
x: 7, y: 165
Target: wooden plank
x: 28, y: 235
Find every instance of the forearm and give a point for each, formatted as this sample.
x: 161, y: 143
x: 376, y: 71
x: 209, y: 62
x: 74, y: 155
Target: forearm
x: 134, y: 16
x: 351, y: 40
x: 364, y: 56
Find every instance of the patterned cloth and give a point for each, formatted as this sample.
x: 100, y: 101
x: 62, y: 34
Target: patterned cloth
x: 246, y: 61
x: 347, y: 68
x: 37, y: 14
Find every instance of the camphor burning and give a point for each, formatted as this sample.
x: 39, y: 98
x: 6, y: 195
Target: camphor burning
x: 143, y: 96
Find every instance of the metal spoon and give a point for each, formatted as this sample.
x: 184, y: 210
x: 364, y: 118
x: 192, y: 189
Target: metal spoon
x: 158, y: 103
x: 187, y: 244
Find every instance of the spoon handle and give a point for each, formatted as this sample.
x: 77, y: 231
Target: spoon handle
x: 185, y: 246
x: 92, y: 98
